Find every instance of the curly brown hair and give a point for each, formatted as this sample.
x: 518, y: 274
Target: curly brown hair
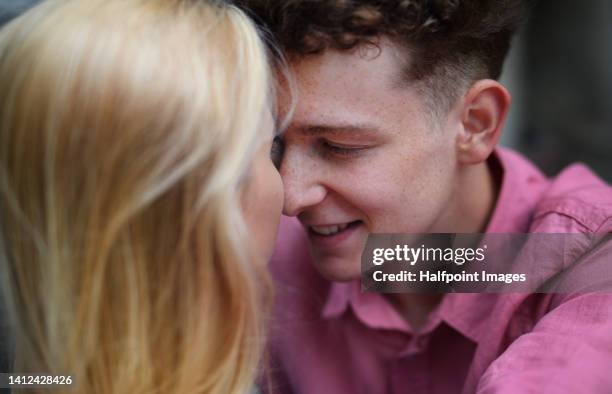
x: 451, y: 42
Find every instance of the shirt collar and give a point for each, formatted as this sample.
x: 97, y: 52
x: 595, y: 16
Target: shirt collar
x: 337, y: 299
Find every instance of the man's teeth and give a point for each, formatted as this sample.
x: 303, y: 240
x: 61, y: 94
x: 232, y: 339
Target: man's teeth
x: 329, y: 230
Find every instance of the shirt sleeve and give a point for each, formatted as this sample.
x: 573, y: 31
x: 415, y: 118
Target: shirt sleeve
x: 568, y: 351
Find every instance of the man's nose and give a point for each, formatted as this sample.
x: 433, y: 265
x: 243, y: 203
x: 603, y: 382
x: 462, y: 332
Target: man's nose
x: 302, y: 183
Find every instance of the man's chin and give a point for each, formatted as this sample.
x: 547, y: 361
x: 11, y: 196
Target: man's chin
x: 337, y: 270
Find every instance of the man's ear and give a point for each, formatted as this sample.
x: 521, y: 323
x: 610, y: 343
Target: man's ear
x: 482, y: 113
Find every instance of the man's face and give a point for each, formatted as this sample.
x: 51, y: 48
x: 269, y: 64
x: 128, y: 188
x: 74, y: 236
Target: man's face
x: 363, y: 155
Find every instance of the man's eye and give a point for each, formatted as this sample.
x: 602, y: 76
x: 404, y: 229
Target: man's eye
x: 341, y: 150
x: 276, y: 152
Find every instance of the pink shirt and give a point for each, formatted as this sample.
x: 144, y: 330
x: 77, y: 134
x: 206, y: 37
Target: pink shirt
x: 331, y: 338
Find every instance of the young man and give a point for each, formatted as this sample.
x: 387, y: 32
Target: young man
x: 394, y: 130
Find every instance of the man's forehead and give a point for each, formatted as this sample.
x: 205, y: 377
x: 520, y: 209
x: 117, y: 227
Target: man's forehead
x: 382, y: 63
x: 331, y: 96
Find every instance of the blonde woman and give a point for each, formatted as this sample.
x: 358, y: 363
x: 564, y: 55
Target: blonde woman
x: 138, y: 202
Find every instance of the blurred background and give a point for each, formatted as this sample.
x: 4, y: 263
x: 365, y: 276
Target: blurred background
x: 560, y: 76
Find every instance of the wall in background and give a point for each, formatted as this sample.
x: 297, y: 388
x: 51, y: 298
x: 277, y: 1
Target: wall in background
x: 560, y: 74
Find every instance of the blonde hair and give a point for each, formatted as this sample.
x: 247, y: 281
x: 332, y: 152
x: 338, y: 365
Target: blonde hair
x: 126, y: 131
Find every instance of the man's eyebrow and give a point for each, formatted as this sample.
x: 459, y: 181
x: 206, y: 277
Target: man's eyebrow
x: 316, y: 129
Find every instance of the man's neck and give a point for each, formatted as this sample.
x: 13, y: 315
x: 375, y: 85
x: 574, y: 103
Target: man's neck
x: 474, y: 200
x: 414, y: 308
x: 470, y: 213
